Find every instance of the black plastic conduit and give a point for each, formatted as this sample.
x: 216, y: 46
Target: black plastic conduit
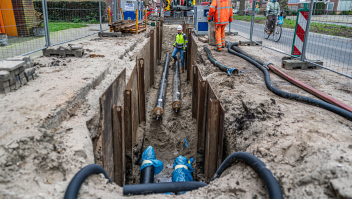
x: 300, y: 98
x: 139, y: 189
x: 147, y: 175
x: 76, y: 182
x: 258, y: 166
x: 218, y: 64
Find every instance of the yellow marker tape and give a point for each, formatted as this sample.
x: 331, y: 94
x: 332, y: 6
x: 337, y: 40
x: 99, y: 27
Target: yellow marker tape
x: 181, y: 166
x: 146, y: 161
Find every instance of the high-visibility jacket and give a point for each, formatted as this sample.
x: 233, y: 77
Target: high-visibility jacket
x: 222, y: 12
x: 181, y: 41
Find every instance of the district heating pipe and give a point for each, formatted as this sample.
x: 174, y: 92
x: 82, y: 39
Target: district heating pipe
x: 299, y: 84
x: 176, y: 93
x: 159, y: 105
x: 147, y: 175
x: 342, y: 112
x: 222, y: 67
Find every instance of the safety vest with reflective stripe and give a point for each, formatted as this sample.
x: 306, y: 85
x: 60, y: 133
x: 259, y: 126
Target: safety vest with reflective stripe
x: 181, y: 41
x: 222, y: 12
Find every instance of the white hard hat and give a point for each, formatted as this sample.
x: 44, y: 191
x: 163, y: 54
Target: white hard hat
x: 179, y: 27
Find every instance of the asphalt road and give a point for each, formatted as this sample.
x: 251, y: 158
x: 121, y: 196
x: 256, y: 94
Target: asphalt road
x: 334, y: 51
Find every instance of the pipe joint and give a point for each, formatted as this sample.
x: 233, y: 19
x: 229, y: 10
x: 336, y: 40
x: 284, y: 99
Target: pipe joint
x: 266, y: 64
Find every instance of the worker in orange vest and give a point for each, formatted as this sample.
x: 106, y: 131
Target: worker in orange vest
x: 222, y: 12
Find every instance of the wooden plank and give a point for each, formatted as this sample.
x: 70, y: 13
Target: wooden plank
x: 128, y: 128
x: 221, y: 136
x: 157, y: 40
x: 211, y: 139
x: 195, y: 92
x: 141, y: 91
x: 112, y: 96
x: 134, y: 104
x: 161, y: 39
x: 189, y: 56
x: 151, y: 51
x: 201, y: 114
x: 119, y: 145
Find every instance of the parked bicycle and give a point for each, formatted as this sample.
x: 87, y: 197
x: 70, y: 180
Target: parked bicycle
x: 275, y: 29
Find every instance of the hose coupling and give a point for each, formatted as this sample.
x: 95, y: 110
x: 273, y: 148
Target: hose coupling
x: 266, y: 65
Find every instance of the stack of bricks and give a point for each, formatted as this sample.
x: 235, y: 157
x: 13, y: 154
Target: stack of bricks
x: 15, y: 72
x: 24, y: 16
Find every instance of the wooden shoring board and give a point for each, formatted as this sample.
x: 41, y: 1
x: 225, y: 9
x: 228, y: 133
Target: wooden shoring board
x: 144, y: 54
x: 112, y: 96
x: 157, y: 40
x: 201, y: 114
x: 189, y: 56
x: 194, y: 91
x: 128, y: 128
x: 211, y: 138
x: 141, y: 90
x: 151, y: 57
x: 133, y: 86
x: 221, y: 136
x: 119, y: 145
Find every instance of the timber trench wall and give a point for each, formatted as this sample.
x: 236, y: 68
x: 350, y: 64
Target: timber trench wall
x: 123, y: 108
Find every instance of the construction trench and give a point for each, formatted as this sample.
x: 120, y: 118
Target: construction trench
x: 305, y: 148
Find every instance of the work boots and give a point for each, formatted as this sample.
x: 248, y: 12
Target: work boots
x: 182, y: 69
x: 175, y: 59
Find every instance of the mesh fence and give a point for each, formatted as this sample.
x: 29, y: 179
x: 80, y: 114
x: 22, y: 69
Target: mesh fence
x: 330, y: 35
x: 22, y: 23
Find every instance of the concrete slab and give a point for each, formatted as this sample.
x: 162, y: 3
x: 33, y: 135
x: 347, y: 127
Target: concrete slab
x: 63, y: 52
x: 10, y: 65
x: 231, y: 33
x: 110, y: 34
x: 249, y: 43
x: 211, y: 33
x: 291, y: 64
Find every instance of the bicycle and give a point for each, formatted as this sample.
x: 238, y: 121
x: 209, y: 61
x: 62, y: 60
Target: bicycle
x: 275, y: 29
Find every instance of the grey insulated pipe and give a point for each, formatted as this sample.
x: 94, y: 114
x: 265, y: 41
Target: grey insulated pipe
x: 160, y: 100
x: 176, y: 93
x: 222, y: 67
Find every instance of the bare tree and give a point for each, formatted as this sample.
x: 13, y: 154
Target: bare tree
x: 283, y: 4
x: 242, y: 4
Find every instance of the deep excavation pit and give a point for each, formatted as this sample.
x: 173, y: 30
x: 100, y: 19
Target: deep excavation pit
x: 167, y: 135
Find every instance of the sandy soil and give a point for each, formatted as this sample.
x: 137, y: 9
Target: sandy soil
x: 308, y: 149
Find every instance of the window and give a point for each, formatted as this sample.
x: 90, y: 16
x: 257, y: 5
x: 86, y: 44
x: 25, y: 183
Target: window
x: 344, y: 5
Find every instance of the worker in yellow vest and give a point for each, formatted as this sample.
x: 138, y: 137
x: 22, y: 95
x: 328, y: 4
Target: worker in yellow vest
x: 180, y: 45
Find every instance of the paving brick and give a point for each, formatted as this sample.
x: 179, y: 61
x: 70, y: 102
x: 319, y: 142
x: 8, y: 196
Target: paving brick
x: 21, y: 75
x: 18, y: 70
x: 35, y: 75
x: 23, y: 81
x: 4, y: 75
x: 18, y: 82
x: 110, y: 34
x: 63, y: 51
x: 291, y: 64
x: 4, y: 84
x: 5, y: 90
x: 249, y: 43
x: 12, y: 80
x: 12, y: 87
x: 11, y: 65
x: 30, y: 78
x: 29, y: 72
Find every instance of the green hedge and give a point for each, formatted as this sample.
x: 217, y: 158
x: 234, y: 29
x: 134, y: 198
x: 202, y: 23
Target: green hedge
x: 75, y: 11
x: 319, y: 8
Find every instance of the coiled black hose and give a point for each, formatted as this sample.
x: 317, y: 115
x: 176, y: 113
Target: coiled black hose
x: 258, y: 166
x: 76, y: 182
x: 300, y: 98
x: 218, y: 64
x: 138, y: 189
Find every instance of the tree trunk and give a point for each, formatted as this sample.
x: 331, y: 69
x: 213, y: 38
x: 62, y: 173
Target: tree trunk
x: 283, y: 4
x: 242, y: 4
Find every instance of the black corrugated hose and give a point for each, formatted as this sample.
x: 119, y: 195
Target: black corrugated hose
x: 342, y: 112
x: 175, y: 187
x: 220, y: 65
x: 76, y: 182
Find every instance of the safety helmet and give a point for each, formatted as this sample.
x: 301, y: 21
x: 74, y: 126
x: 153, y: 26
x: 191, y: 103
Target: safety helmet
x: 179, y: 27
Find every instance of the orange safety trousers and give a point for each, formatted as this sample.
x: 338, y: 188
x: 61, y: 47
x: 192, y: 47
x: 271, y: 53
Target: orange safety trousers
x: 220, y: 36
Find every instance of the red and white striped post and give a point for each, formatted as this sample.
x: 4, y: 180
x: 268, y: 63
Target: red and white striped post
x: 300, y: 31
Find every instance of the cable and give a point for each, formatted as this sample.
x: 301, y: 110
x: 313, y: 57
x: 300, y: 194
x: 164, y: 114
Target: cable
x: 218, y: 64
x: 78, y: 179
x: 259, y: 167
x: 300, y: 98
